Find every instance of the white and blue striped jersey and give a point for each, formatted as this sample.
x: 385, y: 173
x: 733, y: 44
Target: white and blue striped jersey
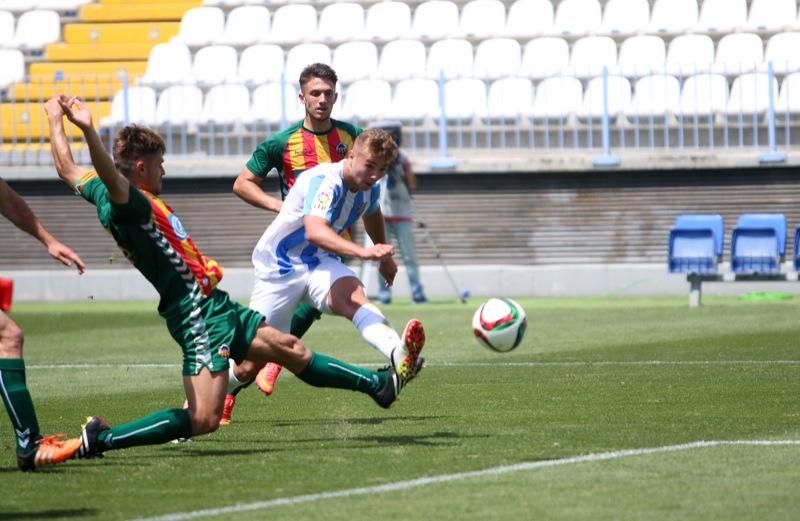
x: 322, y: 192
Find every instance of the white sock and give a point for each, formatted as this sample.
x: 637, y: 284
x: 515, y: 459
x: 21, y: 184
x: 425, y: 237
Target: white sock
x: 233, y: 382
x: 376, y: 330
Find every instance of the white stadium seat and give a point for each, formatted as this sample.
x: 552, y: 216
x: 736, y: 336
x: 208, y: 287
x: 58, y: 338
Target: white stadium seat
x: 179, y: 105
x: 454, y: 57
x: 225, y: 105
x: 690, y: 54
x: 722, y: 16
x: 482, y: 19
x: 509, y: 98
x: 246, y: 25
x: 703, y: 96
x: 619, y: 97
x: 7, y: 29
x: 265, y: 104
x: 497, y: 58
x: 464, y: 99
x: 655, y: 98
x: 293, y: 23
x: 215, y: 64
x: 13, y: 69
x: 303, y: 55
x: 750, y: 96
x: 642, y: 56
x: 771, y: 15
x: 261, y: 63
x: 141, y: 107
x: 435, y: 19
x: 37, y: 28
x: 415, y: 100
x: 738, y: 53
x: 577, y: 17
x: 789, y: 98
x: 673, y: 16
x: 60, y: 5
x: 401, y: 60
x: 590, y: 54
x: 340, y: 22
x: 625, y: 16
x: 388, y: 21
x: 543, y: 57
x: 168, y: 64
x: 366, y: 100
x: 782, y: 51
x: 201, y: 26
x: 557, y: 99
x: 528, y: 18
x: 355, y: 61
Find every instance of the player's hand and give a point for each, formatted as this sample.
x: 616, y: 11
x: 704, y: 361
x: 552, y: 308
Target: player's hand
x: 388, y: 270
x: 53, y: 108
x: 63, y: 254
x: 76, y: 112
x: 379, y: 252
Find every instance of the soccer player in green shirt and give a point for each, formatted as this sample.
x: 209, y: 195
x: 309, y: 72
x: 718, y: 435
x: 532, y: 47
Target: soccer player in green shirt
x: 209, y: 327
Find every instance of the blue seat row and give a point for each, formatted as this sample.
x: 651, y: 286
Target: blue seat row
x: 758, y: 244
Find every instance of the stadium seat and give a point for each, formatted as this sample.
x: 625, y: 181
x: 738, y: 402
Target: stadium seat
x: 304, y: 54
x: 591, y: 54
x: 225, y: 105
x: 415, y: 100
x: 464, y: 99
x: 750, y: 96
x: 796, y: 262
x: 758, y: 243
x: 261, y: 63
x: 435, y: 20
x: 577, y: 17
x: 557, y: 99
x: 738, y: 53
x: 695, y: 244
x: 619, y: 97
x: 624, y: 17
x: 497, y: 58
x: 402, y: 60
x: 771, y: 15
x: 690, y: 54
x: 37, y: 28
x: 215, y: 64
x: 340, y: 22
x: 641, y: 56
x: 16, y: 6
x: 7, y: 29
x: 246, y: 25
x: 293, y: 23
x: 265, y: 104
x: 788, y: 104
x: 201, y: 26
x: 179, y: 105
x: 782, y: 51
x: 388, y: 21
x: 453, y: 56
x: 703, y: 97
x: 66, y: 6
x: 355, y: 61
x: 656, y: 98
x: 544, y: 57
x: 366, y: 100
x: 509, y: 99
x: 138, y: 108
x: 673, y: 16
x: 13, y: 69
x: 168, y: 64
x: 528, y: 18
x: 482, y: 19
x: 722, y: 16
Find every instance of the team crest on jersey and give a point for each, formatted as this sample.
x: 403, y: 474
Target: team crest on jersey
x: 323, y: 201
x: 177, y: 226
x: 224, y: 351
x: 341, y: 149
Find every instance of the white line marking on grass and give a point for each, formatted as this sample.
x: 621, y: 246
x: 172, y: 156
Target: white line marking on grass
x: 444, y: 478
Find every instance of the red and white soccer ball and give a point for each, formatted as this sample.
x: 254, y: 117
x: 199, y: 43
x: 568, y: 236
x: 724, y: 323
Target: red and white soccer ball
x: 499, y: 324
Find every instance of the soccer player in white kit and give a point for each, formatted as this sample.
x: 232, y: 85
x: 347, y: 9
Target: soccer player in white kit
x: 298, y: 256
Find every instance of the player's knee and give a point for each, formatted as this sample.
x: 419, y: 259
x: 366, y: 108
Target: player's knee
x: 11, y: 339
x: 205, y: 423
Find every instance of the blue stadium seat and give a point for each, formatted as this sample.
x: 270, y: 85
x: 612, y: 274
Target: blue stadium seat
x: 758, y: 244
x: 695, y: 243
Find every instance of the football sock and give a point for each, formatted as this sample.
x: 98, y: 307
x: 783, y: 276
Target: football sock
x: 303, y: 317
x: 234, y: 384
x: 18, y: 403
x: 158, y: 427
x: 376, y: 330
x: 243, y: 386
x: 325, y: 371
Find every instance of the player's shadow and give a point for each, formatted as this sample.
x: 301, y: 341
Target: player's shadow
x: 434, y: 439
x: 375, y: 420
x: 50, y: 514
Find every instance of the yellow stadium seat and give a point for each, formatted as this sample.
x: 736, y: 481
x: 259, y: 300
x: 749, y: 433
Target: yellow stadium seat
x: 47, y: 71
x: 91, y: 87
x: 97, y: 51
x: 138, y: 11
x: 20, y: 122
x: 130, y: 32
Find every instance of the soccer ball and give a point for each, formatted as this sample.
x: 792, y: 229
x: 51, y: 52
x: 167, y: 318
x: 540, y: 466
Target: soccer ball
x: 500, y: 324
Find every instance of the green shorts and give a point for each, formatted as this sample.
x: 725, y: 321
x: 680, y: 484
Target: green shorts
x: 212, y: 333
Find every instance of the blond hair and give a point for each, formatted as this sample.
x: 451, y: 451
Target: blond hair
x: 378, y: 144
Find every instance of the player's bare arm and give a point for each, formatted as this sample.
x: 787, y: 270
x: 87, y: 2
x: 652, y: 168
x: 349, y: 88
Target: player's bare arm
x: 65, y: 165
x: 319, y: 233
x: 117, y: 185
x: 375, y: 228
x: 248, y: 188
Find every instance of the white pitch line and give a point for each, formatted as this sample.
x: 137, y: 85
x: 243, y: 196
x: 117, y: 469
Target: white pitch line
x: 466, y: 364
x: 444, y: 478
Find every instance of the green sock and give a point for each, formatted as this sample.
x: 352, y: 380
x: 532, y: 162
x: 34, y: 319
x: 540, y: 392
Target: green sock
x: 324, y: 371
x: 18, y: 403
x: 303, y: 317
x: 158, y: 427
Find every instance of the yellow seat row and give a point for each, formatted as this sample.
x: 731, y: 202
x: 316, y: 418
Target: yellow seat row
x: 91, y: 81
x: 20, y: 122
x: 136, y: 11
x: 97, y: 51
x: 116, y: 33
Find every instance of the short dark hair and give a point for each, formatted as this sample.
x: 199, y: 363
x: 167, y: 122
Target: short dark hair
x: 318, y: 70
x: 133, y: 143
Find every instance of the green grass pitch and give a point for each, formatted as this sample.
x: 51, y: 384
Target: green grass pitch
x: 595, y: 416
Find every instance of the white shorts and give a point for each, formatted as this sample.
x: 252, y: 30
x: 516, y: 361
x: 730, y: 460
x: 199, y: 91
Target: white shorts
x: 278, y: 298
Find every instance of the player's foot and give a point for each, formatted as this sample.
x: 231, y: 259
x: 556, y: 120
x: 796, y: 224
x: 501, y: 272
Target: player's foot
x: 419, y: 367
x: 91, y: 446
x: 405, y: 361
x: 49, y: 450
x: 390, y: 390
x: 227, y: 409
x: 265, y: 381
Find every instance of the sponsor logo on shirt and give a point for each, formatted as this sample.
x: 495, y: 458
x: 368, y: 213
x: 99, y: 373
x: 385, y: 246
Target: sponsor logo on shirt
x: 177, y: 226
x: 323, y: 201
x: 341, y: 149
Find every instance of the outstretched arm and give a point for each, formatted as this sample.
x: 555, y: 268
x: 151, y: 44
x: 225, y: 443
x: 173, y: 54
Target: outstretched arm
x: 320, y: 233
x: 376, y: 229
x: 67, y: 170
x: 248, y: 188
x: 15, y: 209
